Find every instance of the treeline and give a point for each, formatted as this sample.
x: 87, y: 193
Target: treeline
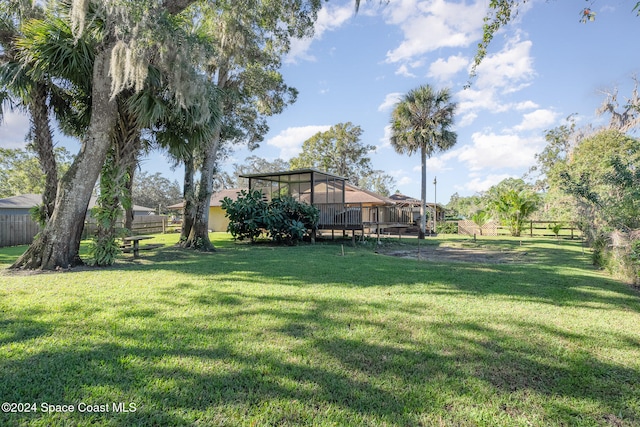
x: 585, y: 175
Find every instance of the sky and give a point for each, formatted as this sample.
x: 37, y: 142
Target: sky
x: 543, y: 67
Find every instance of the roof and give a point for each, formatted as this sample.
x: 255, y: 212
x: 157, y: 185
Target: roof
x: 271, y: 176
x: 401, y: 198
x: 407, y: 200
x: 352, y: 194
x: 27, y: 201
x: 24, y: 201
x: 355, y: 194
x: 216, y: 198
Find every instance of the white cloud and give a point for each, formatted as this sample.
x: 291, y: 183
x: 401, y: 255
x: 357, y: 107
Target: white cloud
x: 509, y: 69
x: 405, y: 180
x: 390, y: 101
x: 480, y: 184
x: 403, y: 177
x: 403, y: 70
x: 290, y: 140
x: 329, y: 18
x: 538, y: 119
x: 430, y: 25
x: 491, y: 151
x: 434, y: 164
x: 525, y: 105
x: 13, y: 128
x: 443, y: 69
x: 385, y: 141
x: 467, y: 119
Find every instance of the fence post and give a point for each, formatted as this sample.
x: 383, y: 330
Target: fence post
x: 531, y: 228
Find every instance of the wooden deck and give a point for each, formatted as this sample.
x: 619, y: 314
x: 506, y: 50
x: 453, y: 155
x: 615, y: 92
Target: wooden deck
x: 355, y: 216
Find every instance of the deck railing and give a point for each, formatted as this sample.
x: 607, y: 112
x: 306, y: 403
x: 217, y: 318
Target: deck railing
x: 357, y: 216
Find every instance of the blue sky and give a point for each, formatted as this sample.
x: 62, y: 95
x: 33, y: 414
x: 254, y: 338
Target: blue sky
x: 543, y: 67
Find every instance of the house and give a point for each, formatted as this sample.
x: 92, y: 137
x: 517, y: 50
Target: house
x: 217, y: 219
x: 20, y: 205
x: 353, y: 196
x: 342, y: 206
x: 415, y: 203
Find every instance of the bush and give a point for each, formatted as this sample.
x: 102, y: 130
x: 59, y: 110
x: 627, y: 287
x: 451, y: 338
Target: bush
x: 619, y: 253
x: 285, y: 220
x: 448, y: 227
x: 245, y: 214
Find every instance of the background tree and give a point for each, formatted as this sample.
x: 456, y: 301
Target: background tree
x: 250, y: 38
x: 255, y: 164
x: 597, y: 175
x: 378, y: 182
x: 422, y: 121
x: 339, y: 151
x: 465, y: 207
x: 155, y: 190
x: 512, y: 201
x: 21, y: 171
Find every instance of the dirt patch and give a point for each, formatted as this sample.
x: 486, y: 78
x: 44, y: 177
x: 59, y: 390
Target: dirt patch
x: 451, y: 254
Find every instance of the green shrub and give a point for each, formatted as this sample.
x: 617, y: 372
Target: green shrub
x: 285, y: 220
x: 448, y: 227
x: 245, y: 214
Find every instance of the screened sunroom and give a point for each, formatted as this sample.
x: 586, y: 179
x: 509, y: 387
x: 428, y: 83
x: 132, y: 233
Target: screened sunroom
x: 328, y: 192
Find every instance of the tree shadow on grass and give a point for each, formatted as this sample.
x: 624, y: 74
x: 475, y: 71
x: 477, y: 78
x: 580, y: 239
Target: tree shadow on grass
x: 558, y: 277
x: 333, y: 361
x: 346, y: 339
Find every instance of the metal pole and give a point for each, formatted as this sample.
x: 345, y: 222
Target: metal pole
x: 435, y: 204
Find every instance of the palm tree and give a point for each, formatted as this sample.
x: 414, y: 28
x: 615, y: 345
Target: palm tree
x: 422, y: 121
x: 29, y: 93
x: 514, y: 206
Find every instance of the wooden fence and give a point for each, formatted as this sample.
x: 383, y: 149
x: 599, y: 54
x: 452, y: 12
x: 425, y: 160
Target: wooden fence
x: 21, y: 229
x: 17, y: 230
x: 144, y: 224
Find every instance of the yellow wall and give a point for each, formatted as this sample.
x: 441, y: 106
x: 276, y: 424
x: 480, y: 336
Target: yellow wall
x: 217, y: 220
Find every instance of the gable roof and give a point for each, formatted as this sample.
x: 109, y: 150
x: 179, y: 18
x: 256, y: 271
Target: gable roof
x: 24, y: 201
x: 27, y: 201
x: 353, y: 194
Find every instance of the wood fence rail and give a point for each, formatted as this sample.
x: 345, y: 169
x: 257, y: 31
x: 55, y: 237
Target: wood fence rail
x: 21, y: 229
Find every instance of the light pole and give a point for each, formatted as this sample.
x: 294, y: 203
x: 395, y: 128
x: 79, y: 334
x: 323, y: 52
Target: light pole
x: 435, y: 206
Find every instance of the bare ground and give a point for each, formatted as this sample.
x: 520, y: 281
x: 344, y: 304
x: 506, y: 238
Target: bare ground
x: 457, y: 254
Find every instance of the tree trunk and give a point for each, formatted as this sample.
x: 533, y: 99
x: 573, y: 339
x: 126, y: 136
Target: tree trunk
x: 114, y: 179
x: 199, y: 234
x: 128, y: 189
x: 423, y: 194
x: 188, y: 212
x: 57, y: 246
x: 127, y: 145
x: 43, y: 145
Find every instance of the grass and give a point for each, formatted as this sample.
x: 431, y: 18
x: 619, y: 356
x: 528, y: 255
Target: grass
x: 263, y: 335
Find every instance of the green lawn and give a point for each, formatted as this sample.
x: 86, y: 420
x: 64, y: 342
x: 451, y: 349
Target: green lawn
x: 263, y: 335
